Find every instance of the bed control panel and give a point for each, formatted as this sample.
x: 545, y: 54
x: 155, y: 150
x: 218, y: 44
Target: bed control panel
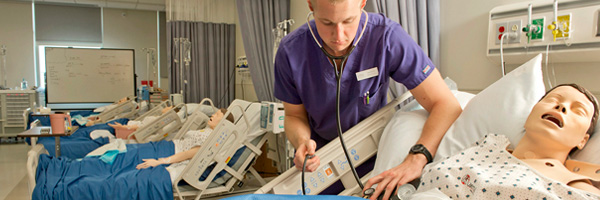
x: 335, y: 169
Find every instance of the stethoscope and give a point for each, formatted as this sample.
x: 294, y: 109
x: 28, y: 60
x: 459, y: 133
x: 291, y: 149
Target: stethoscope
x: 344, y: 57
x: 338, y: 75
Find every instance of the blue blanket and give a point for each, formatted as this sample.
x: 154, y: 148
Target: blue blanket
x: 79, y: 144
x: 90, y: 178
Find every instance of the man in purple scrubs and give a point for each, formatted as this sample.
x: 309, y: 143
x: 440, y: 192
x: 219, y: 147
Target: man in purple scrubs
x: 305, y: 81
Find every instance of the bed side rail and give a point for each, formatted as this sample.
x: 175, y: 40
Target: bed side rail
x: 209, y: 101
x: 219, y: 147
x: 157, y: 130
x: 362, y: 141
x: 196, y: 121
x: 125, y: 107
x: 157, y: 110
x: 32, y: 162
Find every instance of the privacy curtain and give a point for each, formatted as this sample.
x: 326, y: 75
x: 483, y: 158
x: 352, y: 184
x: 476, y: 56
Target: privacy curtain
x: 210, y: 72
x: 258, y: 18
x: 420, y: 18
x: 211, y: 33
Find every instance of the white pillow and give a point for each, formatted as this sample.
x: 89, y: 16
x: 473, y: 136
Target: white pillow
x: 501, y: 108
x: 589, y: 153
x: 402, y: 132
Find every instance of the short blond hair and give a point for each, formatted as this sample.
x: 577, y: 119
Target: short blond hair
x: 332, y: 1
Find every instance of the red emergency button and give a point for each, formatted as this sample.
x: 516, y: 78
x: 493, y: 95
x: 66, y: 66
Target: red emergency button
x: 501, y: 29
x: 500, y: 36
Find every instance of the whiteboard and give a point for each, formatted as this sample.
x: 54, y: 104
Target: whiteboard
x: 75, y: 75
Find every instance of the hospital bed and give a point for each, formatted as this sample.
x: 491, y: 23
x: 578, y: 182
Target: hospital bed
x: 219, y: 148
x: 362, y: 141
x: 231, y: 161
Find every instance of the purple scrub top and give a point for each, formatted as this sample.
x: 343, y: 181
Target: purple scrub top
x: 303, y: 74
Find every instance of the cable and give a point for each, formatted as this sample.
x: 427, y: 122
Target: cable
x: 502, y: 53
x: 228, y: 88
x: 303, y: 168
x: 339, y: 123
x: 508, y: 35
x: 548, y: 71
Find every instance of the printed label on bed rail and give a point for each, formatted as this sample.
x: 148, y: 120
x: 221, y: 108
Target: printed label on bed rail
x: 328, y: 171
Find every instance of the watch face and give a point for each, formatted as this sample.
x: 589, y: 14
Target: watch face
x: 417, y: 148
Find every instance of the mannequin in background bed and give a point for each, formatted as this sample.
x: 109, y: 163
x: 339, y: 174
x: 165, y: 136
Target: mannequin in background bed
x: 134, y: 125
x: 560, y: 123
x: 187, y: 147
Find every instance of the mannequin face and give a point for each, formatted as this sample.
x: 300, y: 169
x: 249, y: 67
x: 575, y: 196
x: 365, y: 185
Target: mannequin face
x: 561, y: 119
x: 337, y: 23
x: 215, y: 119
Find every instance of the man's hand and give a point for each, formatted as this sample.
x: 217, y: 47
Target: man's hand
x: 309, y: 148
x: 409, y: 170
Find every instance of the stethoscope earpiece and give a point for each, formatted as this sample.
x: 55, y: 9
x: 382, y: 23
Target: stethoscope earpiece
x: 338, y: 72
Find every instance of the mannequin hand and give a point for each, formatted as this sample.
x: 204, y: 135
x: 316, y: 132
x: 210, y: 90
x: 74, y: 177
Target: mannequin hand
x: 409, y: 170
x: 149, y: 163
x: 307, y: 148
x: 116, y: 125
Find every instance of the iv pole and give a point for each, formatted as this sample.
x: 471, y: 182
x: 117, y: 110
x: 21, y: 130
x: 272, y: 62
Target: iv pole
x: 182, y: 46
x: 3, y: 83
x: 150, y: 57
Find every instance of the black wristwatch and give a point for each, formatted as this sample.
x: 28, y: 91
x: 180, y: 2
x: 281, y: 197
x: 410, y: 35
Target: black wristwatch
x: 419, y: 148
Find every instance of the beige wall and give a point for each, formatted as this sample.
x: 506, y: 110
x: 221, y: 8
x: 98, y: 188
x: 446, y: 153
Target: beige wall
x: 17, y: 34
x: 463, y: 47
x: 131, y: 29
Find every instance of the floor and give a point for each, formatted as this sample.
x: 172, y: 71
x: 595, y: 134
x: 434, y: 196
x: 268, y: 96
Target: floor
x: 13, y: 184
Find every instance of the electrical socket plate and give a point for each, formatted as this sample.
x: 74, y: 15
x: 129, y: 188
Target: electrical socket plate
x: 497, y: 36
x: 514, y: 27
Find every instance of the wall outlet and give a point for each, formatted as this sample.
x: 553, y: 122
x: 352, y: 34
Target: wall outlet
x: 514, y: 27
x: 501, y: 28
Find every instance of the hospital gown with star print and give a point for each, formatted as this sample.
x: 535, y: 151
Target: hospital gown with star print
x: 488, y: 171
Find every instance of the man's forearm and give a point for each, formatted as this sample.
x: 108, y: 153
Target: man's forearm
x: 297, y: 130
x: 440, y: 119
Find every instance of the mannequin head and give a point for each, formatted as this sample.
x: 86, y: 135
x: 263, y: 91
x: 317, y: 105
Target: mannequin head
x: 217, y: 116
x: 564, y: 118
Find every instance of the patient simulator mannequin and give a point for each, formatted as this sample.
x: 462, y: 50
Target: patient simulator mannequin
x: 538, y: 168
x: 187, y: 147
x: 134, y: 125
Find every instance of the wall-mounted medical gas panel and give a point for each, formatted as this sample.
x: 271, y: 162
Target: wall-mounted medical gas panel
x: 568, y: 29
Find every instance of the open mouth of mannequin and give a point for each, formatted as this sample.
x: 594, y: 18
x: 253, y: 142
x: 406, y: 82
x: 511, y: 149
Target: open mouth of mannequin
x: 553, y: 119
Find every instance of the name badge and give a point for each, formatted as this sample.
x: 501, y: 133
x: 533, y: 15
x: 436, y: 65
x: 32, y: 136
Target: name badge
x: 365, y: 74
